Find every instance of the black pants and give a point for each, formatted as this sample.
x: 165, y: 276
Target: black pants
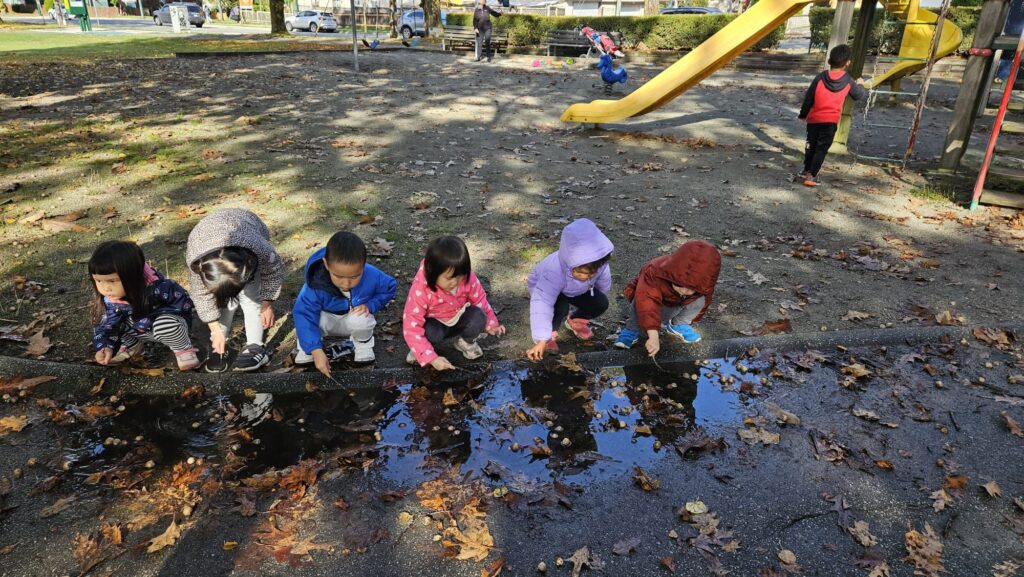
x: 819, y: 139
x: 588, y: 306
x: 469, y: 327
x: 483, y: 44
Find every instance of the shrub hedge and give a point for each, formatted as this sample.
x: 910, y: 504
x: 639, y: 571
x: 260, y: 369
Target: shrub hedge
x: 886, y: 31
x: 654, y: 32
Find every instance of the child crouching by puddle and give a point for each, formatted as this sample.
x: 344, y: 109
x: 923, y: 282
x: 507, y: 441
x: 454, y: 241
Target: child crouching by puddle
x: 673, y: 291
x: 134, y: 304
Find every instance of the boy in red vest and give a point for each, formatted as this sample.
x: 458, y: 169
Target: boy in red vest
x: 823, y: 105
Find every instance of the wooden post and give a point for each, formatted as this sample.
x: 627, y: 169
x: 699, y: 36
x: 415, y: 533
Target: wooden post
x: 990, y: 25
x: 842, y: 21
x: 861, y: 42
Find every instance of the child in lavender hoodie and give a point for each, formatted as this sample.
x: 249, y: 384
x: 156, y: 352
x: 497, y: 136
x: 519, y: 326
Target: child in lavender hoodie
x: 577, y: 277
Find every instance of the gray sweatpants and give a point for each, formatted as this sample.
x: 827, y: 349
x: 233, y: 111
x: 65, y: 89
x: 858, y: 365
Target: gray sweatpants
x: 682, y: 315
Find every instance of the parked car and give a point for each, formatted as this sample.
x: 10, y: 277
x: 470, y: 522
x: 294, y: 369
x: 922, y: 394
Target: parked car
x: 690, y: 10
x: 412, y: 24
x: 196, y: 17
x: 311, y: 20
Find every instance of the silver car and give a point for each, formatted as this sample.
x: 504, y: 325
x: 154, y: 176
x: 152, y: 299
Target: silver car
x: 196, y: 17
x: 312, y: 20
x: 412, y: 24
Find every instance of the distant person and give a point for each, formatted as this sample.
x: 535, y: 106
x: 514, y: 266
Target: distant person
x: 822, y: 108
x: 482, y: 27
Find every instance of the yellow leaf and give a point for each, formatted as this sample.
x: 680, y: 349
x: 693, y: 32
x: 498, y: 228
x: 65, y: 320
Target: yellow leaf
x: 992, y: 488
x: 696, y: 507
x: 165, y: 539
x: 229, y: 545
x: 13, y: 424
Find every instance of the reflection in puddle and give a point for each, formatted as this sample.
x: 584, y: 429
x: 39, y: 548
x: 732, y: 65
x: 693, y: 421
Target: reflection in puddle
x: 523, y: 427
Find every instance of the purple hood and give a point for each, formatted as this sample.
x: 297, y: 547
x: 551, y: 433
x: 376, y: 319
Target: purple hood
x: 581, y: 242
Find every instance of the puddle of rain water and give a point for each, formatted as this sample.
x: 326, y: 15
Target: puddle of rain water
x: 524, y: 426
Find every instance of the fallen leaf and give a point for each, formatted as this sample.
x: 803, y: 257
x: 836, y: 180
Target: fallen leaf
x: 7, y: 549
x: 880, y: 570
x: 229, y: 545
x: 955, y: 482
x: 668, y: 562
x: 57, y: 506
x: 118, y: 168
x: 449, y: 399
x: 853, y: 315
x: 644, y: 481
x: 992, y: 488
x: 862, y: 535
x: 38, y: 344
x: 865, y: 414
x: 788, y: 560
x: 1006, y: 568
x: 583, y: 558
x: 568, y: 362
x: 856, y: 370
x: 995, y: 337
x: 380, y: 247
x: 165, y: 539
x: 20, y: 383
x: 695, y: 507
x: 782, y: 416
x: 924, y: 551
x: 1012, y: 425
x: 13, y: 424
x: 770, y: 327
x: 626, y: 546
x: 757, y: 435
x: 940, y: 500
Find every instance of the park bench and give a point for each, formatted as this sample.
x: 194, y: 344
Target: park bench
x: 568, y: 39
x: 464, y: 35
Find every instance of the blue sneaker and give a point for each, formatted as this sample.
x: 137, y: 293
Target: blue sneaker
x: 686, y: 333
x: 627, y: 338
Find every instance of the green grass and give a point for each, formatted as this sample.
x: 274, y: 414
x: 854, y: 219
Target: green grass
x: 33, y: 47
x: 939, y: 194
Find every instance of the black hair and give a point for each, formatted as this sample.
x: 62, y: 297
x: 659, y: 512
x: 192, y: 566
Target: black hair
x: 839, y: 56
x: 345, y: 247
x: 225, y: 272
x: 444, y: 253
x: 127, y: 261
x: 592, y: 267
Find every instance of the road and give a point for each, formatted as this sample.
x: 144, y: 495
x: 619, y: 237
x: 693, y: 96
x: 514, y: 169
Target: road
x: 138, y: 25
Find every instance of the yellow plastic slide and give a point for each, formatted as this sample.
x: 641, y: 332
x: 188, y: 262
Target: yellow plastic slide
x: 742, y: 33
x: 917, y: 39
x: 701, y: 62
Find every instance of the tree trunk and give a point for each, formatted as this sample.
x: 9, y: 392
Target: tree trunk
x: 393, y: 9
x: 431, y: 16
x: 652, y: 7
x: 277, y: 17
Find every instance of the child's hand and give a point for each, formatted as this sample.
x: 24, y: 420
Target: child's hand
x: 536, y: 352
x: 653, y: 345
x: 360, y: 311
x: 441, y: 364
x: 322, y: 363
x: 217, y: 339
x: 498, y: 330
x: 266, y: 314
x: 104, y: 355
x: 860, y: 81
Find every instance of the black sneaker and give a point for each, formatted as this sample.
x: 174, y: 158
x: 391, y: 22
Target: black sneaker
x: 251, y: 358
x: 216, y: 363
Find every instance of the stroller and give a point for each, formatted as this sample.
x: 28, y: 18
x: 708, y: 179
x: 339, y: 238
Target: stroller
x: 603, y: 42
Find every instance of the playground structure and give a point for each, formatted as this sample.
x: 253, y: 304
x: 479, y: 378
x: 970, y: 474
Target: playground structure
x: 920, y: 48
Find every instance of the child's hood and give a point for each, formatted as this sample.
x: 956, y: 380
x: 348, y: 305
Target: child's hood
x: 581, y: 243
x: 695, y: 265
x: 836, y: 84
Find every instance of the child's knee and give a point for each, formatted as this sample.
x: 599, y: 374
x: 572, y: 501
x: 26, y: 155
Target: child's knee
x: 361, y: 322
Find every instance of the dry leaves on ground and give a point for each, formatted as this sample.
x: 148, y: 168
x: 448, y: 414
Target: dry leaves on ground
x: 645, y: 481
x: 861, y: 534
x: 13, y: 424
x: 380, y: 247
x: 995, y: 337
x: 1012, y: 425
x: 924, y: 552
x: 993, y: 489
x: 626, y: 546
x: 569, y: 363
x: 165, y: 539
x: 757, y: 435
x: 940, y: 500
x: 99, y: 546
x: 782, y: 416
x: 584, y: 558
x: 853, y: 315
x: 770, y: 327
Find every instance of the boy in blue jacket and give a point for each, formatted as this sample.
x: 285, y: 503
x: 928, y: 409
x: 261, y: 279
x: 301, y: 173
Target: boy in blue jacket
x: 339, y: 299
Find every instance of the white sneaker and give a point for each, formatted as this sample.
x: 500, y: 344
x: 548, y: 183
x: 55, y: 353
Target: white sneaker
x: 469, y: 350
x: 411, y: 359
x: 363, y: 351
x: 301, y: 358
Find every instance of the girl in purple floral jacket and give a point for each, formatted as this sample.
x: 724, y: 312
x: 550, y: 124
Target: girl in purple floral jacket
x: 134, y: 304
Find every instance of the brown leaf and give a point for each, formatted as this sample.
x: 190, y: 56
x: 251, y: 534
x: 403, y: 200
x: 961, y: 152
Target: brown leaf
x: 55, y: 225
x: 782, y: 416
x: 300, y: 476
x: 568, y: 362
x: 955, y: 482
x: 861, y: 534
x: 13, y: 424
x: 924, y: 552
x: 644, y: 481
x: 118, y: 168
x: 449, y: 399
x: 626, y: 546
x: 994, y: 337
x: 20, y: 383
x: 856, y: 370
x: 757, y: 435
x: 1012, y: 425
x: 158, y: 372
x: 940, y: 500
x: 853, y: 315
x: 57, y: 506
x: 583, y: 558
x: 668, y: 562
x: 165, y: 539
x: 33, y: 217
x: 380, y: 247
x: 7, y: 549
x: 38, y: 344
x: 992, y: 488
x: 770, y: 327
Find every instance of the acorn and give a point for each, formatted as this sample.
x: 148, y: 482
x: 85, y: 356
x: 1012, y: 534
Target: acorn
x: 542, y: 567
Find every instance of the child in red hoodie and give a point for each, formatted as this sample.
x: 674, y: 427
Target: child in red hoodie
x: 674, y: 290
x: 822, y: 108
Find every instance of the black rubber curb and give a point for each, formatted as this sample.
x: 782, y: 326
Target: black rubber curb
x: 74, y: 379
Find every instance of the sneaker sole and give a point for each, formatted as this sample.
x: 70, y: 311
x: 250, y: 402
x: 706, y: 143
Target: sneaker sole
x: 207, y: 369
x: 680, y: 337
x: 622, y: 346
x: 266, y: 360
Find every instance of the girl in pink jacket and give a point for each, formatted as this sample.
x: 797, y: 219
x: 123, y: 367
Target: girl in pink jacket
x: 446, y: 300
